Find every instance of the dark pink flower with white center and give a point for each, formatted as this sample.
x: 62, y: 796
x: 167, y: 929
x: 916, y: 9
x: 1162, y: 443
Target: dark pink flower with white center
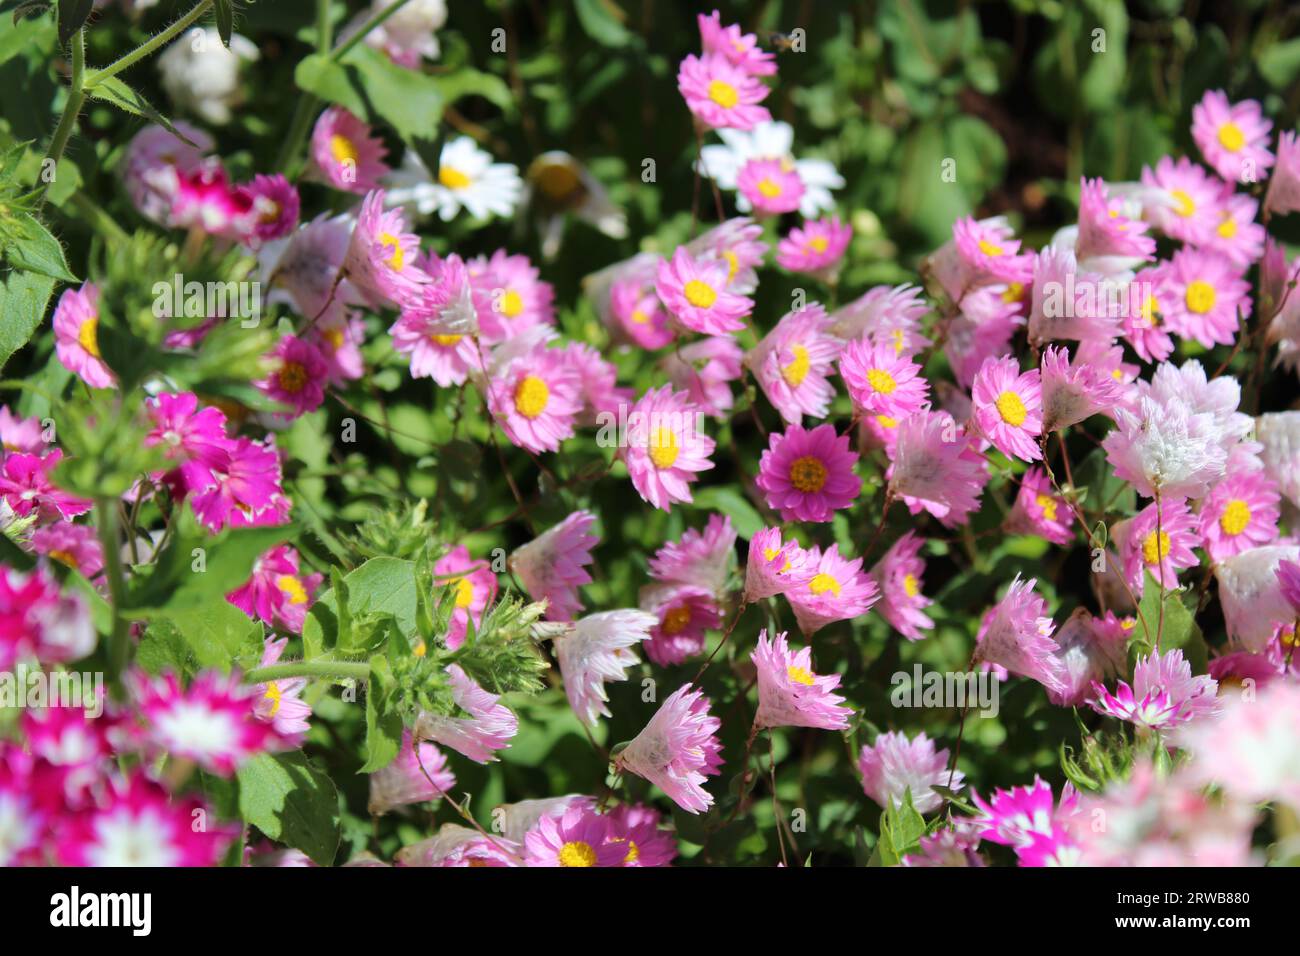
x: 899, y: 575
x: 1185, y: 202
x: 488, y: 728
x: 839, y: 591
x: 1160, y: 540
x: 808, y: 475
x: 936, y: 468
x: 577, y: 837
x: 137, y: 823
x: 816, y: 247
x: 415, y: 775
x: 685, y: 614
x: 1204, y: 297
x: 247, y: 492
x: 881, y: 381
x: 552, y: 566
x: 775, y: 566
x: 894, y: 766
x: 536, y: 399
x: 720, y: 94
x: 695, y: 293
x: 793, y: 363
x: 1040, y: 511
x: 70, y: 736
x: 790, y: 694
x: 1017, y: 635
x: 20, y: 434
x: 73, y: 545
x: 1009, y: 407
x: 211, y: 722
x: 475, y: 586
x: 1163, y: 695
x: 666, y: 446
x: 346, y: 154
x: 701, y: 558
x: 273, y: 209
x: 279, y: 702
x: 206, y: 200
x: 191, y: 437
x: 740, y: 48
x: 772, y: 186
x: 26, y: 487
x: 639, y: 314
x: 510, y: 296
x: 1240, y: 512
x: 76, y: 336
x: 1020, y: 816
x: 278, y: 592
x: 1104, y: 230
x: 704, y: 370
x: 153, y: 162
x: 25, y: 600
x: 635, y: 829
x: 381, y: 255
x: 678, y: 749
x: 297, y: 378
x: 1233, y: 137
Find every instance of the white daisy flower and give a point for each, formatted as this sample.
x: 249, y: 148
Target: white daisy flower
x: 772, y: 140
x: 599, y: 650
x: 467, y: 179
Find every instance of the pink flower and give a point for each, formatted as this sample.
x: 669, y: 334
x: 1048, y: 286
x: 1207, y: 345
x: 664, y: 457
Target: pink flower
x: 935, y: 468
x: 808, y: 475
x: 601, y: 394
x: 1159, y: 539
x: 551, y: 566
x: 640, y: 314
x: 1009, y: 407
x: 598, y: 650
x: 1188, y: 200
x: 739, y: 243
x: 881, y: 381
x: 1233, y: 137
x: 695, y: 294
x: 1040, y: 512
x: 1204, y: 297
x: 775, y: 566
x: 1016, y: 635
x: 816, y: 247
x: 702, y: 558
x: 720, y: 94
x: 20, y: 434
x: 1104, y: 230
x: 740, y: 48
x: 298, y: 376
x: 1088, y: 650
x: 193, y: 438
x: 153, y: 163
x: 345, y: 153
x: 772, y: 186
x: 435, y: 326
x: 278, y: 592
x: 1142, y: 326
x: 76, y: 336
x: 1283, y: 194
x: 510, y: 296
x: 685, y: 614
x: 985, y: 252
x: 1241, y: 512
x: 1165, y: 446
x: 413, y: 776
x: 279, y: 702
x: 678, y: 749
x: 73, y: 545
x: 1017, y: 816
x: 476, y: 588
x: 886, y: 314
x: 247, y: 491
x: 1237, y: 237
x: 273, y: 209
x: 205, y: 200
x: 790, y: 694
x: 380, y: 257
x: 1164, y: 694
x: 1070, y: 303
x: 839, y: 591
x: 666, y: 447
x: 1251, y: 752
x: 894, y: 766
x: 489, y: 726
x: 578, y: 837
x: 26, y: 487
x: 36, y: 620
x: 899, y: 576
x: 1072, y: 392
x: 705, y: 369
x: 793, y: 361
x: 635, y: 829
x: 536, y: 399
x: 1288, y: 579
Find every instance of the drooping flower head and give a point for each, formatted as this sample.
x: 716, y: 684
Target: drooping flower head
x: 596, y: 651
x: 789, y: 693
x: 899, y: 576
x: 936, y: 468
x: 702, y: 558
x: 76, y: 336
x: 551, y: 567
x: 678, y: 749
x: 488, y: 727
x: 1071, y: 392
x: 894, y: 766
x: 775, y: 566
x: 1016, y: 634
x: 418, y: 774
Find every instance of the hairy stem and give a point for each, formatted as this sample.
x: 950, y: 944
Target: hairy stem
x: 148, y: 46
x: 339, y: 670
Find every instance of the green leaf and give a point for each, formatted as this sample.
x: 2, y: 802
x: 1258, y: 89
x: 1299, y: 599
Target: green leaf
x: 217, y: 635
x: 603, y: 22
x: 29, y: 245
x: 380, y: 586
x: 901, y: 829
x: 291, y: 801
x: 383, y: 723
x: 23, y: 297
x: 368, y: 84
x: 1279, y: 63
x: 115, y: 92
x: 225, y: 14
x: 1178, y: 629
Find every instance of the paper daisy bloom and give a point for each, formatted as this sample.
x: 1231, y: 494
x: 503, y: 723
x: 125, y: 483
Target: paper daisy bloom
x: 26, y: 488
x: 1165, y: 447
x: 475, y: 586
x: 635, y: 829
x: 881, y: 380
x: 279, y: 702
x: 298, y: 376
x: 381, y: 254
x: 771, y: 186
x: 467, y: 179
x: 413, y: 776
x: 1089, y: 649
x: 1016, y: 635
x: 1104, y: 230
x: 536, y: 400
x: 704, y: 370
x: 739, y: 243
x: 886, y: 314
x: 1183, y: 200
x: 684, y: 614
x: 702, y: 558
x: 981, y: 252
x: 1008, y: 407
x: 436, y: 326
x: 76, y: 336
x: 1233, y: 137
x: 1039, y: 511
x: 790, y: 694
x: 577, y: 837
x: 1071, y: 393
x: 510, y: 295
x: 839, y: 591
x: 639, y: 315
x: 595, y: 651
x: 1164, y: 694
x: 894, y: 766
x: 1160, y: 540
x: 666, y: 447
x: 770, y: 140
x: 551, y: 567
x: 1238, y: 237
x: 935, y: 468
x: 793, y: 361
x: 489, y: 726
x: 277, y: 592
x: 1239, y: 513
x: 678, y: 749
x: 775, y: 566
x: 740, y: 48
x: 808, y: 475
x: 815, y: 248
x: 720, y: 94
x: 1283, y: 195
x: 695, y: 293
x: 1204, y: 297
x: 345, y: 154
x: 899, y: 576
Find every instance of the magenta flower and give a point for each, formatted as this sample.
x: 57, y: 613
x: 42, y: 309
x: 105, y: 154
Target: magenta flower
x: 297, y: 378
x: 1024, y: 817
x: 475, y: 586
x: 720, y: 94
x: 1241, y: 512
x: 578, y: 837
x: 247, y: 490
x: 551, y: 567
x: 1016, y: 635
x: 1164, y: 694
x: 418, y: 774
x: 793, y: 361
x: 894, y: 766
x: 899, y: 576
x: 816, y: 247
x: 635, y: 829
x: 273, y: 209
x: 936, y: 468
x: 1233, y: 137
x: 678, y: 749
x: 20, y: 434
x: 790, y: 694
x: 277, y: 592
x: 26, y: 488
x: 193, y: 438
x: 882, y: 381
x: 775, y: 566
x: 536, y: 399
x: 839, y: 591
x: 1203, y: 297
x: 1159, y: 539
x: 1008, y: 407
x: 808, y: 475
x: 489, y: 726
x: 76, y: 336
x: 695, y: 293
x: 73, y: 545
x: 666, y: 447
x: 740, y: 48
x: 684, y: 615
x: 345, y: 154
x: 702, y: 558
x: 36, y: 620
x: 1037, y: 510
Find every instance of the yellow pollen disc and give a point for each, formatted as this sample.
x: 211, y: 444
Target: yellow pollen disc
x: 881, y: 381
x: 1288, y: 637
x: 270, y: 211
x: 886, y: 421
x: 1231, y: 137
x: 512, y: 303
x: 65, y: 557
x: 1186, y: 205
x: 531, y: 396
x: 577, y: 853
x: 808, y: 474
x: 464, y: 591
x: 898, y: 341
x: 1228, y: 228
x: 639, y: 317
x: 292, y: 377
x: 663, y: 450
x: 633, y: 852
x: 1152, y: 550
x: 990, y: 249
x: 1128, y: 623
x: 768, y: 188
x: 274, y: 696
x: 88, y: 335
x: 1011, y: 408
x: 771, y: 553
x: 334, y: 337
x: 724, y: 94
x: 343, y: 149
x: 1235, y: 517
x: 1048, y: 504
x: 420, y: 649
x: 800, y: 675
x: 797, y: 370
x: 1014, y: 293
x: 293, y: 588
x: 1200, y: 296
x: 818, y: 243
x: 446, y: 340
x: 823, y: 583
x: 700, y: 294
x: 396, y: 257
x: 452, y: 178
x: 559, y: 181
x: 910, y: 585
x: 676, y: 620
x: 1151, y: 311
x: 733, y: 264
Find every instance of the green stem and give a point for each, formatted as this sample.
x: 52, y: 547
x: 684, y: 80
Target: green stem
x: 346, y: 48
x: 101, y: 220
x: 339, y: 670
x: 119, y: 648
x: 72, y: 108
x: 149, y: 46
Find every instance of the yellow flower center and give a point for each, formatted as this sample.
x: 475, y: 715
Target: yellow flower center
x: 464, y: 591
x: 531, y: 396
x: 1015, y: 291
x: 1048, y: 504
x: 396, y: 257
x: 292, y: 377
x: 512, y: 303
x: 898, y: 341
x: 343, y: 149
x: 1231, y: 137
x: 724, y: 94
x: 808, y: 474
x: 700, y: 294
x: 1186, y: 205
x: 800, y: 675
x: 663, y: 450
x: 771, y: 553
x: 676, y: 620
x: 797, y: 370
x: 1288, y: 637
x: 452, y: 178
x: 1228, y: 228
x: 733, y: 264
x: 1151, y: 311
x: 1155, y: 549
x: 274, y: 696
x: 639, y: 317
x: 577, y: 853
x: 818, y: 243
x: 293, y: 588
x: 886, y: 421
x: 66, y: 557
x: 88, y: 335
x: 334, y: 337
x: 881, y: 381
x: 823, y: 583
x: 989, y: 248
x: 911, y: 587
x: 1235, y: 517
x: 1200, y: 296
x: 768, y: 188
x: 446, y: 340
x: 633, y: 852
x: 1011, y: 408
x: 420, y: 649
